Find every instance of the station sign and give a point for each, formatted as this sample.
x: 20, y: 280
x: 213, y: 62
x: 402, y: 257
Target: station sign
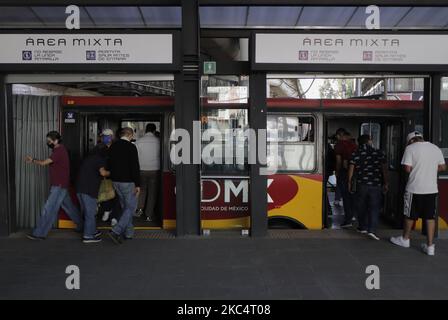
x: 356, y: 49
x: 86, y: 48
x: 210, y: 67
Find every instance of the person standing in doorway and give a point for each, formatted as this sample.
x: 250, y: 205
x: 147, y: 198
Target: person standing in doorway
x: 110, y: 209
x: 125, y: 174
x: 59, y: 168
x: 90, y: 174
x: 370, y: 168
x: 422, y: 161
x: 149, y: 157
x: 344, y: 149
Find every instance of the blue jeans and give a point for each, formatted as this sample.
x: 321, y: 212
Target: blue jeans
x: 58, y: 198
x: 369, y: 201
x: 88, y: 208
x: 128, y: 201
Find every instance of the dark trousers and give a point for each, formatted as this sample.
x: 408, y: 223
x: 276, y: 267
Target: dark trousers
x: 149, y: 186
x: 347, y: 197
x: 369, y: 201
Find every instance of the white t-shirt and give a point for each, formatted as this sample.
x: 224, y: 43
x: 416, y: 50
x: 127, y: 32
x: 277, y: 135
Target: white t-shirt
x: 424, y: 158
x: 149, y: 152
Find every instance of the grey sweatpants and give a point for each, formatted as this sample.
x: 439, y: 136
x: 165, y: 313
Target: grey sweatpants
x: 149, y: 186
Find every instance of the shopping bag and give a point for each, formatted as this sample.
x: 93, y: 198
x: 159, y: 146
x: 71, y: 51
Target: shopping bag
x: 107, y: 191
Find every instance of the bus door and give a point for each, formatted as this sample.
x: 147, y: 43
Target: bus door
x: 394, y: 147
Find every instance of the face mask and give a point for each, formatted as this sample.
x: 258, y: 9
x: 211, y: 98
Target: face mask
x: 107, y: 139
x: 50, y: 145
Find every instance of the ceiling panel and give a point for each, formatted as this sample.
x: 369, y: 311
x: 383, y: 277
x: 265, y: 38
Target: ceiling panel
x: 325, y: 16
x: 273, y: 16
x: 56, y: 16
x: 162, y: 16
x: 223, y: 16
x: 116, y: 16
x: 15, y: 16
x: 389, y: 17
x: 425, y: 17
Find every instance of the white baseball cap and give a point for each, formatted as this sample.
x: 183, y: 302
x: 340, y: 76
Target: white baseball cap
x: 107, y: 132
x: 414, y: 134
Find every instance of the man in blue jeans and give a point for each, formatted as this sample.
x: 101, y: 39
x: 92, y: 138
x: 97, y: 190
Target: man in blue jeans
x: 371, y: 178
x: 89, y: 180
x: 59, y: 197
x: 124, y: 170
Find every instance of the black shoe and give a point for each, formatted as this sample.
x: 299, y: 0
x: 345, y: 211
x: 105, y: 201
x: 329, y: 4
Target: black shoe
x: 346, y: 225
x: 98, y: 234
x: 127, y: 238
x: 115, y: 237
x: 31, y: 237
x: 91, y: 240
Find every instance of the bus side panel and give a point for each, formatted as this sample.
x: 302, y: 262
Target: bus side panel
x: 224, y: 203
x: 443, y: 204
x: 296, y: 198
x: 169, y: 200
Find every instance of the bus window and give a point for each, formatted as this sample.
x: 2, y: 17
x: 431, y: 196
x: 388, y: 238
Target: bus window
x: 374, y: 131
x: 224, y: 149
x: 139, y: 127
x: 294, y: 139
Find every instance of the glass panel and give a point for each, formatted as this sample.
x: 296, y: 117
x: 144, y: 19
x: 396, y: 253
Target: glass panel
x: 273, y: 16
x: 390, y: 16
x: 303, y: 87
x: 139, y: 127
x: 326, y: 16
x: 291, y: 144
x: 47, y: 17
x: 374, y: 131
x: 444, y: 117
x: 292, y: 157
x: 290, y: 129
x: 225, y: 89
x: 224, y: 144
x: 425, y: 17
x: 223, y: 16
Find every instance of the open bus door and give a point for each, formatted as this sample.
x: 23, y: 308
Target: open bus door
x: 394, y: 147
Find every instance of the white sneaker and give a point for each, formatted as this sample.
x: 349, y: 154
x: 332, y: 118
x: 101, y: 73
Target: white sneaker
x: 373, y: 236
x: 113, y: 222
x: 106, y: 215
x: 400, y: 241
x: 429, y: 250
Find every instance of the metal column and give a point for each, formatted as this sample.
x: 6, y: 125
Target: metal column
x: 187, y: 111
x: 7, y: 204
x: 432, y: 118
x: 258, y: 183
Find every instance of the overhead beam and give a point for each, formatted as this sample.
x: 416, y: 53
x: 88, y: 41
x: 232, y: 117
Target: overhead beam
x: 406, y: 3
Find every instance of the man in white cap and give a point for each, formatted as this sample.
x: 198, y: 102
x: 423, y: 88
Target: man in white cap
x: 422, y: 161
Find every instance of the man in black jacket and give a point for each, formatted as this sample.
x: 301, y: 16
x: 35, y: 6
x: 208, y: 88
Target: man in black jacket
x: 125, y: 174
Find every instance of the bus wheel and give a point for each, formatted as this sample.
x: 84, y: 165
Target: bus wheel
x: 284, y: 223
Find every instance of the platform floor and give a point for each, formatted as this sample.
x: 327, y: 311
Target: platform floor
x: 327, y: 264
